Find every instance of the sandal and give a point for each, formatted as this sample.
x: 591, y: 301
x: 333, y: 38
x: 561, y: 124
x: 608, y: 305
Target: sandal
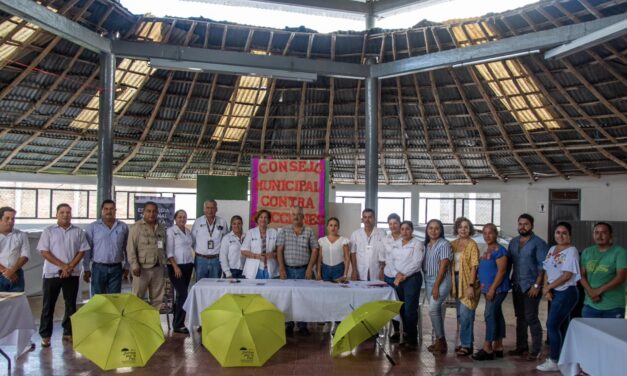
x: 45, y: 342
x: 464, y: 351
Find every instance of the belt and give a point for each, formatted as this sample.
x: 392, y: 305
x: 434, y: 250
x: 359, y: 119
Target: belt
x: 298, y: 267
x: 207, y: 256
x: 111, y: 264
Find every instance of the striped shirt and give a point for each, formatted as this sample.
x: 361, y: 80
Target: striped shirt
x: 434, y: 254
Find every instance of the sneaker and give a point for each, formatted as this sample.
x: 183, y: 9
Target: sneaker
x: 67, y: 338
x: 45, y: 342
x: 548, y: 366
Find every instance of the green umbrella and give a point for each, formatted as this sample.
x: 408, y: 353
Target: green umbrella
x: 242, y: 330
x: 117, y: 330
x: 363, y: 323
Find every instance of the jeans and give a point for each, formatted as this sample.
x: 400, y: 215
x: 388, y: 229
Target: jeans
x: 207, y: 268
x: 561, y: 306
x: 466, y: 324
x: 106, y: 279
x: 494, y: 319
x: 262, y: 274
x: 615, y: 313
x: 51, y: 289
x: 436, y: 311
x: 7, y: 286
x: 331, y: 273
x: 408, y: 292
x: 295, y: 273
x: 526, y: 311
x: 181, y: 286
x: 236, y: 273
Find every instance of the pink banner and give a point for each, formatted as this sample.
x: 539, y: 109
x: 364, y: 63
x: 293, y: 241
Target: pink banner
x: 278, y: 185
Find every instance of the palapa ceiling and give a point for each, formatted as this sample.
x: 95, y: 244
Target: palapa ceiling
x: 522, y: 117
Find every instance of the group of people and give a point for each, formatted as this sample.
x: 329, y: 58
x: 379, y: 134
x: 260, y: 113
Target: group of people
x: 214, y: 248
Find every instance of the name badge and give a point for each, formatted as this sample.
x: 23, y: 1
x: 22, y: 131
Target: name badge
x: 159, y: 243
x: 210, y: 244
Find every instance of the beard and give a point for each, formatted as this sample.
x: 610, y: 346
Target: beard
x: 524, y: 233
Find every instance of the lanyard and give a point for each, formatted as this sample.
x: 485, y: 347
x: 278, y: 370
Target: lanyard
x: 210, y: 229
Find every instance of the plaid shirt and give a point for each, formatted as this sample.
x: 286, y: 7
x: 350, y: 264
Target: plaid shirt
x: 297, y: 248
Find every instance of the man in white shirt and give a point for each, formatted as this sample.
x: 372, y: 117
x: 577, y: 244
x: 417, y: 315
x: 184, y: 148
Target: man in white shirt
x: 62, y: 246
x: 366, y: 244
x: 207, y: 233
x: 14, y: 252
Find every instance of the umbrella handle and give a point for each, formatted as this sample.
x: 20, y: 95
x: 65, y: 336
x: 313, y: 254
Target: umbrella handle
x: 385, y: 352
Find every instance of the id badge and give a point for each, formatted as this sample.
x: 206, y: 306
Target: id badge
x: 210, y: 244
x: 159, y: 243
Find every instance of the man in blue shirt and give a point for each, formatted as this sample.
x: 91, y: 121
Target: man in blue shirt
x: 105, y: 263
x: 526, y: 254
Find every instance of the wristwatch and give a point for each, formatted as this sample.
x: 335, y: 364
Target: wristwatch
x: 536, y: 286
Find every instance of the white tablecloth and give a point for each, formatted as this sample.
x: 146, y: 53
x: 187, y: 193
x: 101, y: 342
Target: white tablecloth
x: 598, y: 345
x: 299, y: 300
x: 16, y: 325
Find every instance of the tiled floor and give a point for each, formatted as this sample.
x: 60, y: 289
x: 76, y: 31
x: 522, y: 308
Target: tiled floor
x: 184, y: 355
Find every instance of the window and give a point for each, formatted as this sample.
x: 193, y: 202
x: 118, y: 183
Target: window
x: 480, y: 208
x: 388, y: 203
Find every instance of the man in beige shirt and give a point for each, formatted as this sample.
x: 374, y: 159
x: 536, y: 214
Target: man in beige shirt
x: 146, y: 256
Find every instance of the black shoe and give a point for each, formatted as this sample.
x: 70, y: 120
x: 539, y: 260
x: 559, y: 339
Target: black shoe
x: 303, y: 332
x: 289, y: 331
x: 498, y: 353
x: 483, y: 355
x: 396, y: 337
x: 518, y: 352
x: 410, y: 345
x: 182, y: 330
x: 533, y: 356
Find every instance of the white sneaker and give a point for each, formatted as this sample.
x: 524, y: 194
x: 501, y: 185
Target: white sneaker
x: 548, y: 366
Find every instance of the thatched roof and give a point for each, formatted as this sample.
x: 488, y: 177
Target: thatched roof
x: 522, y: 117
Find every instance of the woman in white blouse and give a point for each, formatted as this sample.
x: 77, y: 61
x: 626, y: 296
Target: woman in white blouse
x: 394, y: 224
x: 403, y: 272
x: 560, y: 288
x: 180, y: 265
x: 335, y: 253
x: 259, y: 249
x: 231, y: 259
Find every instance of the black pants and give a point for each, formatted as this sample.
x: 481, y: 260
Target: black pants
x: 180, y: 287
x: 51, y: 289
x: 526, y: 310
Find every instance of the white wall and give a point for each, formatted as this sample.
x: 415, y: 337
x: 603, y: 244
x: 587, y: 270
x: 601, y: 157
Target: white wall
x: 601, y: 199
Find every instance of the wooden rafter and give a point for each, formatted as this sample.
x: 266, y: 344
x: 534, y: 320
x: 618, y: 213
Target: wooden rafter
x: 356, y: 114
x: 423, y: 119
x: 575, y: 146
x: 442, y: 114
x: 327, y: 135
x: 533, y: 108
x: 148, y: 125
x: 50, y: 121
x: 232, y: 102
x: 207, y: 115
x: 49, y: 46
x: 477, y: 124
x: 401, y: 116
x: 268, y: 103
x: 575, y: 105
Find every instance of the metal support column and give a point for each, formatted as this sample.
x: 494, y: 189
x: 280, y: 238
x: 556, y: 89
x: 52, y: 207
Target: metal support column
x: 370, y: 15
x: 105, y: 128
x: 372, y: 163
